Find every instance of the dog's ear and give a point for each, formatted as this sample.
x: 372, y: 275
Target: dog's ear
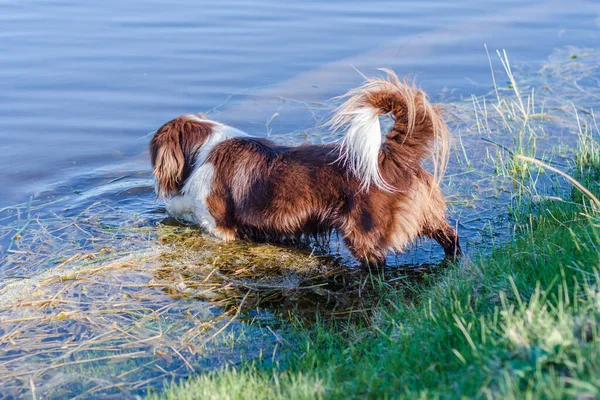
x: 167, y: 157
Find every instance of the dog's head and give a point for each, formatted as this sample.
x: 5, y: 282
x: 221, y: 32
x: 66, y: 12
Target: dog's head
x: 173, y: 151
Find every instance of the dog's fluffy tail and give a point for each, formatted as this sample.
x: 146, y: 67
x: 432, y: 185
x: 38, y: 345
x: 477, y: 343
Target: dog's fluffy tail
x: 418, y: 130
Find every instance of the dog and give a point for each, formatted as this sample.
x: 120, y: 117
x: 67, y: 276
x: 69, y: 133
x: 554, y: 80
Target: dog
x: 372, y: 189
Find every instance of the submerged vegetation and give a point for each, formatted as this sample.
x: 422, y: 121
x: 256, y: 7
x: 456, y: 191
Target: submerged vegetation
x: 96, y: 301
x: 125, y: 308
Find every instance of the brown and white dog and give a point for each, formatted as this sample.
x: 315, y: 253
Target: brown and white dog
x: 373, y: 189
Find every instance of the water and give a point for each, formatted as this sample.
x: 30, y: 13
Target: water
x: 83, y: 84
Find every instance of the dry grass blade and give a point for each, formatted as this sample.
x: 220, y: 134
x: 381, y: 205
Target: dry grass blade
x: 575, y: 183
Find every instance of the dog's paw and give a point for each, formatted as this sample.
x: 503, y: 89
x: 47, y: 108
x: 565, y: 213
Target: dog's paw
x: 225, y: 234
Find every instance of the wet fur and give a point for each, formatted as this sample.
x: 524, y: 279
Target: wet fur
x: 254, y: 188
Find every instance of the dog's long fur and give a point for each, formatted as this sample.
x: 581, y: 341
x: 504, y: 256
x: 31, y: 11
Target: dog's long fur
x: 372, y: 189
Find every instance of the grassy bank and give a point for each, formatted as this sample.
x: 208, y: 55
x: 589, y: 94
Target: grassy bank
x: 522, y: 321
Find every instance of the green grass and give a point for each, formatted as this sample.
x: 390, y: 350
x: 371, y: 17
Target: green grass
x: 520, y: 322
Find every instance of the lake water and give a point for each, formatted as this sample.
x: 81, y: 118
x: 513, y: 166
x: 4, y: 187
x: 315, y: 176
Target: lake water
x: 83, y: 84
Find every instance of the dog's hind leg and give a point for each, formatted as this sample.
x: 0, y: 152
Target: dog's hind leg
x: 447, y: 237
x: 434, y: 223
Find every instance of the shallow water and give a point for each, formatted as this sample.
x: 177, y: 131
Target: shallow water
x: 85, y: 245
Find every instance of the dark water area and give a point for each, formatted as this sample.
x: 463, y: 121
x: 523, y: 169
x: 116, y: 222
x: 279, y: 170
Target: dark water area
x: 85, y: 245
